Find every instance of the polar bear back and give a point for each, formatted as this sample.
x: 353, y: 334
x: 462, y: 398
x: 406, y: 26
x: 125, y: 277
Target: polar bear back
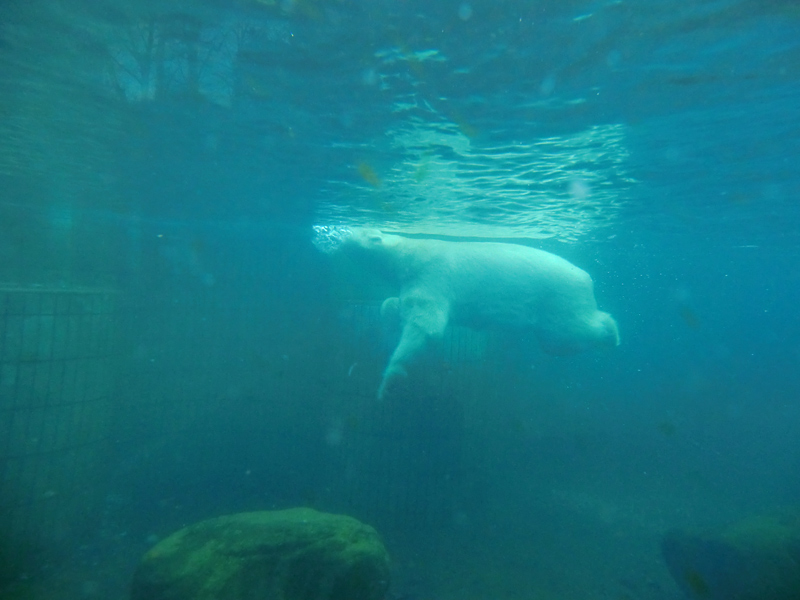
x: 506, y: 285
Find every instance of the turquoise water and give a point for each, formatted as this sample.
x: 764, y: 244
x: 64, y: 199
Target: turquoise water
x: 180, y: 156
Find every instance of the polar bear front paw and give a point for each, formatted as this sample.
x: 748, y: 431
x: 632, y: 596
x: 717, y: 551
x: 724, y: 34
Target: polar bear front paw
x: 394, y: 379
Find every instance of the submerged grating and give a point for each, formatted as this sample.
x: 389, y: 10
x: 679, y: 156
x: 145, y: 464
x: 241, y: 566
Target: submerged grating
x: 56, y: 369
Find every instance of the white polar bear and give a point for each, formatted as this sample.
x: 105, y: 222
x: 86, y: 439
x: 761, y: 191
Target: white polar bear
x: 481, y: 285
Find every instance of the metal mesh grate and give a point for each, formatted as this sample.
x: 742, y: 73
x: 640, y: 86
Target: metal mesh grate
x: 56, y: 367
x: 401, y: 461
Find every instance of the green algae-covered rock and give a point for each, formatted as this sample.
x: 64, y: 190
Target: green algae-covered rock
x: 755, y: 559
x: 295, y: 554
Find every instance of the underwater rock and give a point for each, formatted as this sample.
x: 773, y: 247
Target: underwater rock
x: 755, y: 559
x: 295, y: 554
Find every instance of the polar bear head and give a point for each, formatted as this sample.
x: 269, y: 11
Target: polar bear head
x: 373, y: 247
x: 372, y: 240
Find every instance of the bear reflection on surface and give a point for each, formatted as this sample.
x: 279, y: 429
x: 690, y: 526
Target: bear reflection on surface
x: 482, y: 285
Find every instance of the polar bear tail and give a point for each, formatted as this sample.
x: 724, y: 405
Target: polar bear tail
x: 609, y: 332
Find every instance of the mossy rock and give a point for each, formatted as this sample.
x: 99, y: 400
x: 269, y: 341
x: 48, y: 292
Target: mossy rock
x: 755, y: 559
x: 295, y: 554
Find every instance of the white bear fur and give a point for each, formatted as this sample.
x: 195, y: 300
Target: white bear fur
x: 483, y: 285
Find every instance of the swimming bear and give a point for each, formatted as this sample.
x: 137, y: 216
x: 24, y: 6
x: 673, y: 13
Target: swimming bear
x: 482, y: 285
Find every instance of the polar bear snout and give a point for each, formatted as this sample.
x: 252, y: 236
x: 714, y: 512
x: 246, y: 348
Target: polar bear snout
x: 329, y: 238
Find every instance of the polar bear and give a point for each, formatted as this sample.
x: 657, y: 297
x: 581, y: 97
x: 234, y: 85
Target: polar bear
x: 482, y: 285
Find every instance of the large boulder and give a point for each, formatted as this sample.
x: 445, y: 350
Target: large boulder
x: 755, y: 559
x: 295, y: 554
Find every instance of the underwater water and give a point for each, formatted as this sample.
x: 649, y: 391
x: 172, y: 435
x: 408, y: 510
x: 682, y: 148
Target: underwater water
x: 179, y: 338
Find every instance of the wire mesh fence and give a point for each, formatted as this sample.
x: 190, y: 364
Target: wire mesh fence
x: 57, y: 363
x: 400, y: 462
x: 133, y: 415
